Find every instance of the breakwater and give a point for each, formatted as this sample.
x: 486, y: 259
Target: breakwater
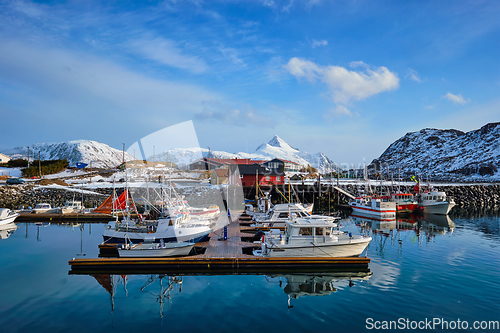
x: 327, y: 199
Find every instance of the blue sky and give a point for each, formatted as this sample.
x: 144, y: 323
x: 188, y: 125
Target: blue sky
x: 346, y: 78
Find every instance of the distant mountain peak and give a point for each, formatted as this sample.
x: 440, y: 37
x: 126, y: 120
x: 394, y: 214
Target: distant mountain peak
x: 277, y: 142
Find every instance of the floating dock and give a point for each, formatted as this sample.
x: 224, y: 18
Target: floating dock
x: 72, y: 217
x: 220, y: 257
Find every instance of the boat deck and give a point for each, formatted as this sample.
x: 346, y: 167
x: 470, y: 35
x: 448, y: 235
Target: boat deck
x: 221, y: 256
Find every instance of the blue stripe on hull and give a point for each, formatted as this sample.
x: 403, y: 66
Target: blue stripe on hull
x: 118, y: 240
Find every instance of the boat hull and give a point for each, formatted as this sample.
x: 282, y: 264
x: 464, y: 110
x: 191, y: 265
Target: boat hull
x: 389, y: 214
x: 440, y: 208
x: 342, y: 249
x: 9, y: 219
x: 145, y: 251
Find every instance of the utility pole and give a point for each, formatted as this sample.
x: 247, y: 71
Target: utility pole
x: 39, y: 165
x: 28, y: 156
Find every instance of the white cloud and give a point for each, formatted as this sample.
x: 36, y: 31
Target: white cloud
x: 346, y: 85
x: 457, y: 99
x: 166, y: 52
x: 339, y: 111
x: 316, y: 43
x: 412, y: 75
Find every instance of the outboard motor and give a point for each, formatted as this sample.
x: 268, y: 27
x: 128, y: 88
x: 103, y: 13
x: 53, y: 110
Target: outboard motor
x: 258, y: 235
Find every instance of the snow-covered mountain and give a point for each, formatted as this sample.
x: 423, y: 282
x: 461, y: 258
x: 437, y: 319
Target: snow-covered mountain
x: 445, y: 153
x: 276, y: 148
x: 84, y: 151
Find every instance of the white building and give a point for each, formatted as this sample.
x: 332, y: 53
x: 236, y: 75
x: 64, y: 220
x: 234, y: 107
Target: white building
x: 4, y: 158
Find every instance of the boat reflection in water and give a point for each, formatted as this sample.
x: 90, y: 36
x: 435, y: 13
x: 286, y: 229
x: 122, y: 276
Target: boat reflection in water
x: 425, y: 227
x: 7, y: 229
x: 295, y: 285
x: 159, y: 286
x: 317, y: 284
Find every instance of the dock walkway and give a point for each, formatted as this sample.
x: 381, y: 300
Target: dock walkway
x: 221, y: 256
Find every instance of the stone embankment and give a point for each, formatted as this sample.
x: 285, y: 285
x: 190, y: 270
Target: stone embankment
x: 29, y: 196
x: 463, y: 195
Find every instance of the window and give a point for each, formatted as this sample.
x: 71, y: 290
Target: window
x: 319, y: 231
x: 268, y: 178
x: 305, y: 231
x: 278, y: 178
x: 283, y: 215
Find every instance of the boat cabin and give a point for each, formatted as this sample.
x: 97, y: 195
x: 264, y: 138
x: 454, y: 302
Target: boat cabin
x: 305, y: 231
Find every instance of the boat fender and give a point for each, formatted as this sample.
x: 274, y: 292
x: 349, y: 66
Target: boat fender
x: 350, y: 235
x: 263, y: 237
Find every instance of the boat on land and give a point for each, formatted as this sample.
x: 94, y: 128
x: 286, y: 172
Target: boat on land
x: 155, y: 250
x: 45, y: 208
x: 380, y: 207
x: 433, y: 201
x: 7, y: 216
x: 311, y: 238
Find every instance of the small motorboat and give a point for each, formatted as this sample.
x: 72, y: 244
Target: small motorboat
x: 44, y: 208
x: 155, y: 250
x: 312, y: 238
x: 7, y: 216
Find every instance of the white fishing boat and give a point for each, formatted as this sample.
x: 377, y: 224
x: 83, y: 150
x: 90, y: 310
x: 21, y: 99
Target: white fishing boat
x: 171, y: 228
x: 7, y: 216
x: 435, y: 202
x: 44, y: 208
x: 312, y: 238
x: 263, y: 205
x: 281, y: 213
x: 72, y: 206
x: 154, y: 250
x: 380, y: 207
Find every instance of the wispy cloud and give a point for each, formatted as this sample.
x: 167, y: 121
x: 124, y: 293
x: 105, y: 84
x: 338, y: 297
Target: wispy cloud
x: 346, y: 85
x: 316, y: 43
x: 412, y: 75
x: 338, y: 111
x: 457, y: 99
x: 166, y: 52
x: 225, y: 113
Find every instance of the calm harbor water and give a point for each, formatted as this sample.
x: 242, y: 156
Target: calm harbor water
x: 420, y: 269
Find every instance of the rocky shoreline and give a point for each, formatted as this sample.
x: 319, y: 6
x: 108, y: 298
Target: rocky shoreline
x: 29, y: 195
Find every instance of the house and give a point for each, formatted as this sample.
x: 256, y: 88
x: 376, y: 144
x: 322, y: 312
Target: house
x: 207, y: 163
x: 4, y: 158
x: 219, y: 176
x: 252, y: 173
x: 280, y: 164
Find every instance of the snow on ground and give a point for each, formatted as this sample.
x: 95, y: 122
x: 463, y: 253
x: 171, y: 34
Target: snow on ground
x: 13, y: 172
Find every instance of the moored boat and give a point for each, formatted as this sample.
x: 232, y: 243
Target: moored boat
x: 435, y: 202
x: 172, y: 228
x: 7, y: 216
x: 44, y: 208
x: 155, y: 250
x: 312, y: 238
x: 380, y: 207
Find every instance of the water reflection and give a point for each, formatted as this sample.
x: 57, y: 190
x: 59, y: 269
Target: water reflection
x: 7, y: 229
x: 159, y: 286
x: 316, y: 284
x: 420, y: 228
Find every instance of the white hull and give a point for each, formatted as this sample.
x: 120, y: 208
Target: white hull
x: 171, y: 234
x: 340, y: 249
x: 440, y: 208
x: 150, y: 251
x: 379, y: 214
x: 9, y: 218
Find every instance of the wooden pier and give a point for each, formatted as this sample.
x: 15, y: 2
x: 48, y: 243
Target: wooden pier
x: 220, y: 257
